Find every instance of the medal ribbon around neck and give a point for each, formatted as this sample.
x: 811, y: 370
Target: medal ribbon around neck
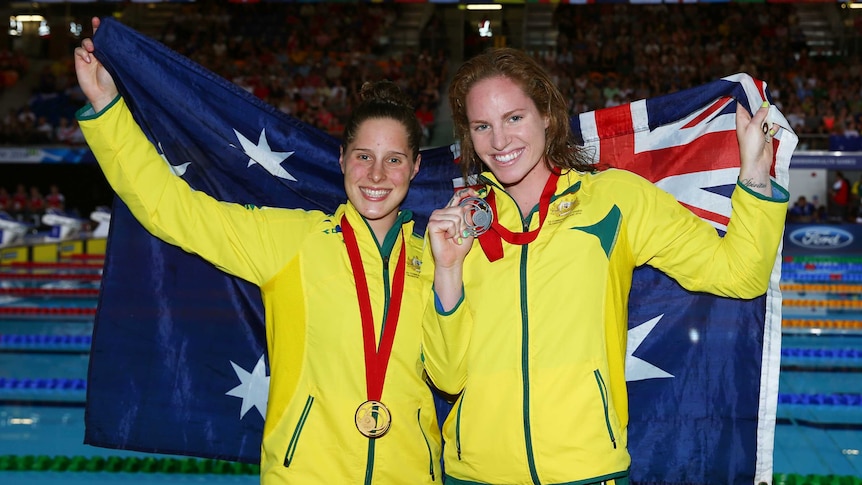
x: 376, y: 360
x: 492, y: 241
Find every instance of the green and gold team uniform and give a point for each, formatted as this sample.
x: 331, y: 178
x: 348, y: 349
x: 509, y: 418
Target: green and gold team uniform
x: 536, y: 348
x: 314, y: 335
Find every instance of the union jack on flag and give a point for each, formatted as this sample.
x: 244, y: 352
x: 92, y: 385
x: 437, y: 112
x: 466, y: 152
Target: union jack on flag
x: 702, y: 370
x: 178, y: 360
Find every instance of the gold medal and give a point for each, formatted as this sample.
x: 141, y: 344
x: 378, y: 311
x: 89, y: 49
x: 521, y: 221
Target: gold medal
x: 373, y: 419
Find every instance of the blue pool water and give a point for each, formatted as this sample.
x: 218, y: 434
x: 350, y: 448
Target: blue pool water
x: 51, y: 423
x: 810, y: 438
x: 821, y: 439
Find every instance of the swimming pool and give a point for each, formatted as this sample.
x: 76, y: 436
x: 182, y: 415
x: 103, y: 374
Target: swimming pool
x: 46, y: 322
x: 819, y: 419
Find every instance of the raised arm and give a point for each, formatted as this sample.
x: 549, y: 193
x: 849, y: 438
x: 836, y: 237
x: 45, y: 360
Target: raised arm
x: 447, y: 326
x: 95, y: 81
x: 754, y: 135
x: 450, y: 246
x: 250, y: 243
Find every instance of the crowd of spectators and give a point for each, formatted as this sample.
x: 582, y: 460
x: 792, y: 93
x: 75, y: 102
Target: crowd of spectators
x: 13, y: 65
x: 23, y: 127
x: 308, y: 60
x: 805, y: 211
x: 28, y: 205
x: 843, y: 202
x: 610, y: 54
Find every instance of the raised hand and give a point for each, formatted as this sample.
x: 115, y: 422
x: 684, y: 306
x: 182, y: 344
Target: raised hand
x: 754, y: 135
x: 450, y: 246
x: 95, y: 81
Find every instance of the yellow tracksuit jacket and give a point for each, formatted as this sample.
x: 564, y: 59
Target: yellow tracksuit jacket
x: 314, y: 334
x: 536, y: 348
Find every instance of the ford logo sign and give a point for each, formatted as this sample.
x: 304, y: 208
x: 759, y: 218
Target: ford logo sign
x: 821, y: 237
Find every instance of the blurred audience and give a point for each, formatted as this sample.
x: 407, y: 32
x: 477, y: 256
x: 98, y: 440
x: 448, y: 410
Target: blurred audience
x: 313, y: 72
x: 29, y: 205
x: 309, y: 59
x: 36, y: 203
x: 5, y: 200
x: 802, y: 211
x: 839, y: 198
x: 608, y: 54
x: 55, y: 199
x: 18, y: 206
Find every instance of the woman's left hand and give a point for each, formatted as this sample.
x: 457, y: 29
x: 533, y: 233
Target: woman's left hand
x: 755, y: 137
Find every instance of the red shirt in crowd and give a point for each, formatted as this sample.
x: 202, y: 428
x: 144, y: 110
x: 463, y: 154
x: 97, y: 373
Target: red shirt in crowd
x: 19, y: 202
x: 36, y: 204
x: 54, y: 200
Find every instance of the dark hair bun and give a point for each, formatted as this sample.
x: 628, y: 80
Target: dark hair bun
x: 384, y: 91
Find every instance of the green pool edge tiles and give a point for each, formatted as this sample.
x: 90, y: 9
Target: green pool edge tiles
x: 115, y: 464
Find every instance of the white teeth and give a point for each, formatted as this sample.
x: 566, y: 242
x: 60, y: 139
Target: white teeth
x: 375, y: 193
x: 507, y: 158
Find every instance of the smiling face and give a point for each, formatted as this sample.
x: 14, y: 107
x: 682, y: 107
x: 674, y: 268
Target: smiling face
x: 508, y: 135
x: 378, y: 167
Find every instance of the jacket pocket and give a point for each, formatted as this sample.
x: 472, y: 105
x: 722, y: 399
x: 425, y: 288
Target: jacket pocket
x: 297, y: 431
x: 427, y: 444
x: 458, y: 424
x: 603, y: 392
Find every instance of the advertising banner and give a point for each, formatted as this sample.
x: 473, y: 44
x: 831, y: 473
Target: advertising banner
x: 822, y: 239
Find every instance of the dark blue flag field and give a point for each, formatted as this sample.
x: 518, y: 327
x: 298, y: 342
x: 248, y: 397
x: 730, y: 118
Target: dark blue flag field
x: 178, y: 362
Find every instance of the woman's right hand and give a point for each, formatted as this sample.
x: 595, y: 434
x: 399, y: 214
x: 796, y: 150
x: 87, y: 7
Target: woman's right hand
x: 446, y: 232
x: 449, y: 246
x: 95, y: 81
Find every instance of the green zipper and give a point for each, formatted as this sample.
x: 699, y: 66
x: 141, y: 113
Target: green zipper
x: 458, y: 425
x: 603, y: 391
x: 427, y: 444
x: 294, y: 440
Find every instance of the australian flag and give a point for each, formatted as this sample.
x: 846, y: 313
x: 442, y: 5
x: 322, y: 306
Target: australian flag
x: 178, y: 362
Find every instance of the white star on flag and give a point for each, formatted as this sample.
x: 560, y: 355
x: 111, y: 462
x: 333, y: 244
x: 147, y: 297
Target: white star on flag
x: 179, y: 170
x: 638, y: 369
x: 262, y: 154
x: 253, y: 388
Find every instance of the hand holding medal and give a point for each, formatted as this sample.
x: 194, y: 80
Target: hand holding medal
x: 478, y: 215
